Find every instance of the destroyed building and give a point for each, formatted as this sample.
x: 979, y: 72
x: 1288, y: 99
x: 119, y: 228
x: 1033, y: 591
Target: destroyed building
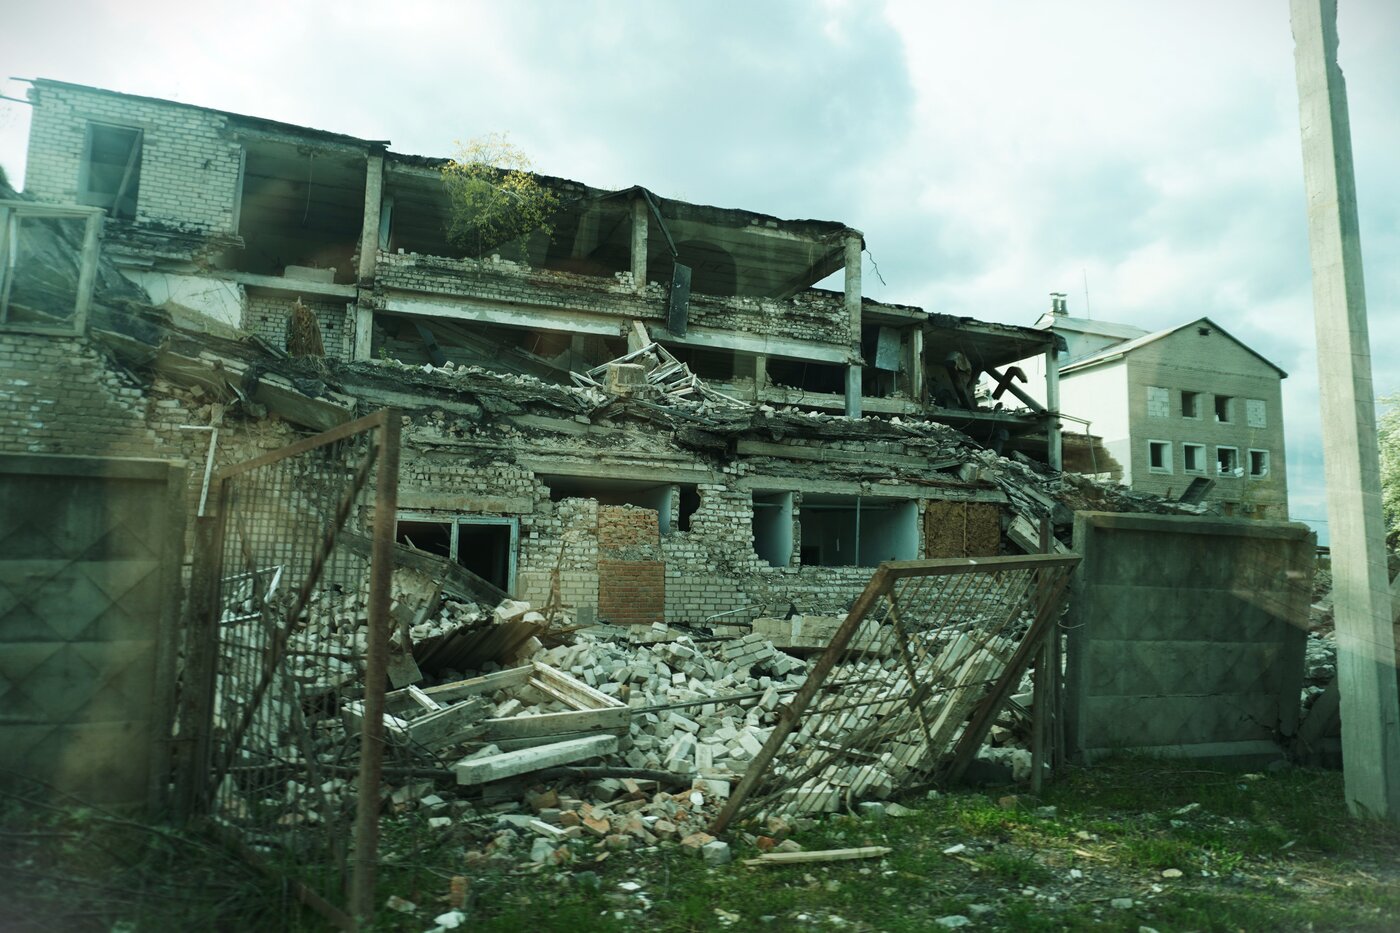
x: 654, y: 410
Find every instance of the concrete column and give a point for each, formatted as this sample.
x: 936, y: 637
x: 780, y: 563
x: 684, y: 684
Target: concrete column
x: 1366, y: 672
x: 369, y: 229
x: 916, y: 365
x: 853, y: 374
x: 1055, y: 451
x: 854, y: 245
x: 640, y: 213
x: 364, y: 333
x: 760, y: 375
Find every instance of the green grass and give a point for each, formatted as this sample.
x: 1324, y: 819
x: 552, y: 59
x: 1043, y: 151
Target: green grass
x: 1272, y: 852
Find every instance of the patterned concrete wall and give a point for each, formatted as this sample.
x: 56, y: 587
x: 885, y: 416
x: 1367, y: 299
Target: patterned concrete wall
x: 1186, y: 636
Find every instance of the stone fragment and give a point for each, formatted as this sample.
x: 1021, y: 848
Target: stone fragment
x: 952, y: 921
x: 715, y: 853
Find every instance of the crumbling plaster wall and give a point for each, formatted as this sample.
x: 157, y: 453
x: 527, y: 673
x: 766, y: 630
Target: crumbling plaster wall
x: 189, y: 158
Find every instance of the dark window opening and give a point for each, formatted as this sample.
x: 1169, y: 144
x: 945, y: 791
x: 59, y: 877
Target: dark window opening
x: 1190, y: 404
x: 112, y: 169
x: 1194, y: 457
x: 433, y: 537
x: 1258, y: 463
x: 484, y: 549
x: 807, y: 376
x: 1223, y: 404
x: 301, y: 212
x: 690, y: 503
x: 1159, y: 455
x: 714, y: 365
x: 852, y: 531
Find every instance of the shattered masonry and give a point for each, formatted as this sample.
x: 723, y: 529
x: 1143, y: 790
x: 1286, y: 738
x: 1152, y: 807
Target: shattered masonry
x: 750, y: 489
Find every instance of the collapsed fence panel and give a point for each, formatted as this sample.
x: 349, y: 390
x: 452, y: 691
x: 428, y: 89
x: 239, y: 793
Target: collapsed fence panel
x: 292, y: 620
x: 939, y: 641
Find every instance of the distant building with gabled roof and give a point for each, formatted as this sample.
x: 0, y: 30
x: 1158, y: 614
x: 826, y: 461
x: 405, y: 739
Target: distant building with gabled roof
x: 1175, y: 406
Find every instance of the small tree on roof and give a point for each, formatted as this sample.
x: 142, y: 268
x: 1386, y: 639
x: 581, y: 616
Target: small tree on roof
x: 493, y: 195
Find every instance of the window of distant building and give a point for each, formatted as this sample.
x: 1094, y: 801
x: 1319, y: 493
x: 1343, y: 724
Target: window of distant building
x: 1258, y: 463
x: 110, y: 176
x: 1224, y: 406
x: 1227, y: 461
x: 1254, y: 413
x: 1193, y: 457
x: 1159, y: 456
x: 1190, y: 404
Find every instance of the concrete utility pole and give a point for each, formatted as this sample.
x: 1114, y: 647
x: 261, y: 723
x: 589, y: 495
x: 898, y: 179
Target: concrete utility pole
x: 1366, y: 670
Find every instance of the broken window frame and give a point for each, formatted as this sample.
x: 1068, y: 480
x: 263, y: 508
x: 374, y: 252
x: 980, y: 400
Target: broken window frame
x: 1234, y: 469
x: 1261, y: 474
x: 1165, y: 448
x: 1200, y: 451
x: 111, y: 201
x: 458, y: 519
x: 12, y: 214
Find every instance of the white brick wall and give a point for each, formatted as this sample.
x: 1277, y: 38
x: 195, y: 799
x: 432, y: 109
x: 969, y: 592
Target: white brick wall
x: 1159, y: 402
x: 189, y: 158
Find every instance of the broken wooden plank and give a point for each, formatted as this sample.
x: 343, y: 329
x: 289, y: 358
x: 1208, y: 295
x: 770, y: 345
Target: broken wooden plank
x: 422, y: 699
x: 819, y: 855
x: 569, y: 690
x: 509, y: 764
x: 551, y: 724
x: 448, y: 725
x: 399, y: 700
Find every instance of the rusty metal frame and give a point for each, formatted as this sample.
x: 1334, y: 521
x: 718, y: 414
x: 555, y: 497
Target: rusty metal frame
x: 378, y: 462
x: 1042, y: 579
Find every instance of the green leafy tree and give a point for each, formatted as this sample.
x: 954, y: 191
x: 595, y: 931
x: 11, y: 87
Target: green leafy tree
x: 494, y: 196
x: 1390, y: 467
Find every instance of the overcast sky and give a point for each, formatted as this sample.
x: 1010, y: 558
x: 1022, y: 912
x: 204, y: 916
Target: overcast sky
x: 991, y: 152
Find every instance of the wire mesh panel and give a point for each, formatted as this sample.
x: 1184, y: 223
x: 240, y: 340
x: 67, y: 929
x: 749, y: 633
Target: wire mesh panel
x: 300, y: 622
x: 927, y: 645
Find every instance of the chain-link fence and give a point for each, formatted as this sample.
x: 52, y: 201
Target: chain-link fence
x: 293, y: 623
x: 909, y: 685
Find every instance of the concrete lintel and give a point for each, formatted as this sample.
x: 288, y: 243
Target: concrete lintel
x: 292, y: 286
x: 868, y: 491
x: 425, y: 500
x: 756, y: 344
x: 657, y: 474
x: 529, y: 316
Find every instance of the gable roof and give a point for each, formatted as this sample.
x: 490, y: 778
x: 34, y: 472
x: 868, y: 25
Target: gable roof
x: 1119, y: 350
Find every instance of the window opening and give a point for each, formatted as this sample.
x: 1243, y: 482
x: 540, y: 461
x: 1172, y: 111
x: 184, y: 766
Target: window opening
x: 111, y: 172
x: 1227, y: 460
x: 857, y: 531
x: 1159, y: 456
x: 772, y: 527
x: 1258, y: 463
x: 1193, y: 458
x: 1223, y: 404
x: 1190, y: 404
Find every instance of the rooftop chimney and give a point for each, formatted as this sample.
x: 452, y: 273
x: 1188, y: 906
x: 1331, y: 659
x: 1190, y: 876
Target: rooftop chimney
x: 1058, y: 306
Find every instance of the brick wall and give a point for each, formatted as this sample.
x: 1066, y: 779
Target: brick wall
x: 626, y: 526
x: 631, y: 592
x: 189, y: 158
x: 58, y: 395
x: 266, y: 315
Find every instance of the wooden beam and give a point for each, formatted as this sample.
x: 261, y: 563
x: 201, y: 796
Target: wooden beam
x: 509, y: 764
